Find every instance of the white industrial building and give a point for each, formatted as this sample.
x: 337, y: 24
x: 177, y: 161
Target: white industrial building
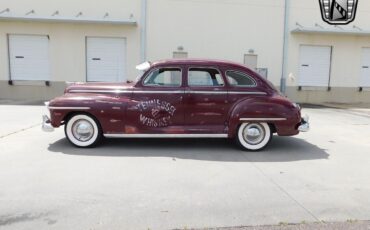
x: 45, y: 43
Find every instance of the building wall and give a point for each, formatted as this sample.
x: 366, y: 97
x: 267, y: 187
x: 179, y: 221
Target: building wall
x: 346, y: 55
x: 67, y: 44
x: 70, y: 8
x: 218, y: 29
x: 345, y: 70
x: 227, y: 30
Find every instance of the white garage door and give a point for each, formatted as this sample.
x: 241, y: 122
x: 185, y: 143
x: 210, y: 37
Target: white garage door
x: 314, y: 65
x: 365, y: 68
x: 29, y: 57
x: 106, y: 59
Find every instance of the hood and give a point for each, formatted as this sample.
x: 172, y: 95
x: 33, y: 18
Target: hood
x: 98, y: 86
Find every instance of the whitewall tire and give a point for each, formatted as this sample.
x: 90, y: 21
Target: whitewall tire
x: 254, y: 136
x: 82, y: 131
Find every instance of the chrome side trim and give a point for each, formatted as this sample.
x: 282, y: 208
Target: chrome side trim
x: 262, y: 119
x: 205, y: 92
x: 251, y: 93
x: 159, y: 91
x: 225, y: 92
x: 73, y: 108
x: 166, y: 135
x: 125, y: 91
x: 166, y: 91
x: 98, y: 91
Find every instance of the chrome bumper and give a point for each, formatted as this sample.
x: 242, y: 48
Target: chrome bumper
x: 46, y: 124
x: 305, y: 125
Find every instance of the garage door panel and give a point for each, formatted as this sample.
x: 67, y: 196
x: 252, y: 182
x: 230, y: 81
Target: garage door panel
x: 314, y: 68
x: 29, y: 57
x: 106, y: 59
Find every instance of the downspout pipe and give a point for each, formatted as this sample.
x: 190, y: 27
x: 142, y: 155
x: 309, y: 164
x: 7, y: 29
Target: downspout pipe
x: 143, y: 34
x: 285, y: 47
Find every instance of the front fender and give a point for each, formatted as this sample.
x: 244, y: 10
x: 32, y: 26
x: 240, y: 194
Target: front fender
x: 109, y: 110
x: 274, y: 110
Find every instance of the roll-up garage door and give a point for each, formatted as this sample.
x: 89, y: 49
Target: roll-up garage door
x: 365, y: 68
x: 106, y: 59
x: 29, y: 57
x: 314, y: 65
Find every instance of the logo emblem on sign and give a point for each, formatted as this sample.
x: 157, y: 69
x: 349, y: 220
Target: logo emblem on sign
x: 338, y: 12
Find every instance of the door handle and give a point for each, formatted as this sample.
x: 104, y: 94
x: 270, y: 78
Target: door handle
x: 95, y: 59
x: 305, y: 65
x: 365, y: 67
x: 19, y: 57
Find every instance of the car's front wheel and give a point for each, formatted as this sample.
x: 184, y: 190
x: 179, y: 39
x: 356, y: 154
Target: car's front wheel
x: 83, y: 131
x: 254, y: 136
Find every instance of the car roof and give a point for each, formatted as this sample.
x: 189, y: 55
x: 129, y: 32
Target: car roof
x: 188, y: 61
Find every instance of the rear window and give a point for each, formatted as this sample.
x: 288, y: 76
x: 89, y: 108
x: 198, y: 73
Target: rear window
x: 237, y: 78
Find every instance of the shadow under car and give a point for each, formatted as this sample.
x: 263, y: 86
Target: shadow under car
x: 281, y: 149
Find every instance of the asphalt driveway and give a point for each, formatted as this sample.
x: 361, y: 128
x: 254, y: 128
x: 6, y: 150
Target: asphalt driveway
x: 45, y: 183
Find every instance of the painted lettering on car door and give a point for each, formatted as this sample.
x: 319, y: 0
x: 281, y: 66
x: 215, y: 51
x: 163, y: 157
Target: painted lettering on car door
x: 155, y: 113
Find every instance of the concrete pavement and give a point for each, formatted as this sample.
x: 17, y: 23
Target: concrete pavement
x: 347, y: 225
x: 45, y: 183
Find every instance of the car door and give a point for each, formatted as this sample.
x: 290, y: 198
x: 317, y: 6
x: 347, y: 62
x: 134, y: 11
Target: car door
x: 156, y: 105
x: 205, y: 100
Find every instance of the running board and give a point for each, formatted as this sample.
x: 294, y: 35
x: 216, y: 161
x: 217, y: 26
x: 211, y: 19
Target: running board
x: 166, y: 135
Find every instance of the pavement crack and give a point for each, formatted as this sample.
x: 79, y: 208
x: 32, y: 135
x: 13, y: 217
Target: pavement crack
x: 283, y: 190
x: 19, y: 131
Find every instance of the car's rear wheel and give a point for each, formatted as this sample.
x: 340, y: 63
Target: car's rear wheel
x: 83, y: 131
x: 254, y: 136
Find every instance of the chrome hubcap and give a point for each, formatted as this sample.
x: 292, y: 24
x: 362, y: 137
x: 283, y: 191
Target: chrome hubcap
x: 254, y: 134
x: 82, y: 130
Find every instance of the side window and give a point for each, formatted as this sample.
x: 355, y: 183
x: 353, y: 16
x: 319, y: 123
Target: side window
x: 236, y: 78
x: 204, y: 77
x: 170, y: 77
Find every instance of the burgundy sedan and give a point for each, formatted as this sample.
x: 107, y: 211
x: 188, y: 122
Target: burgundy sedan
x: 178, y: 98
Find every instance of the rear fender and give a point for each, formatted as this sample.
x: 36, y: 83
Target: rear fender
x: 281, y: 115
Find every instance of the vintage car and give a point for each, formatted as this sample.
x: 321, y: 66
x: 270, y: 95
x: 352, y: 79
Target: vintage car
x: 178, y: 98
